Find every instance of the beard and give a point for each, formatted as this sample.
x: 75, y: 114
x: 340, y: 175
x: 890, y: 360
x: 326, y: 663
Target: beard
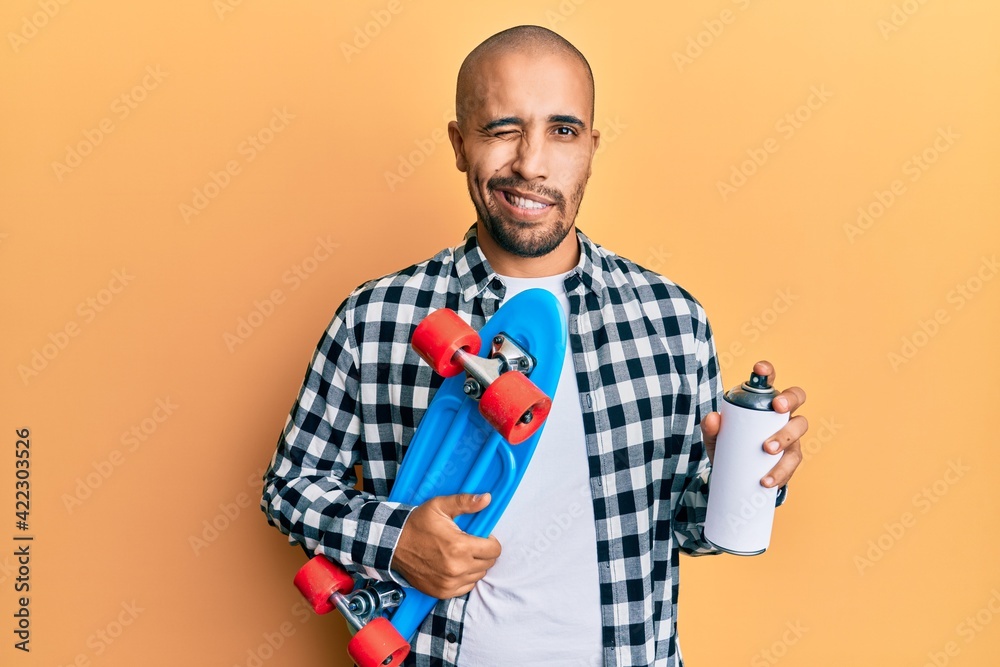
x: 525, y: 239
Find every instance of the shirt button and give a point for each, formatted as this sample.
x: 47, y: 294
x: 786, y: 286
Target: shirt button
x: 496, y: 284
x: 451, y: 638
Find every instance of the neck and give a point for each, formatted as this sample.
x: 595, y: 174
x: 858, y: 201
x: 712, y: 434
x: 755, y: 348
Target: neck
x: 562, y: 259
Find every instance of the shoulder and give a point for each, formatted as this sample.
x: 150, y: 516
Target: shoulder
x: 406, y: 285
x: 412, y: 286
x: 382, y: 310
x: 657, y: 294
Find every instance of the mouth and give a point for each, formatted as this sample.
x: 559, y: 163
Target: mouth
x: 524, y: 205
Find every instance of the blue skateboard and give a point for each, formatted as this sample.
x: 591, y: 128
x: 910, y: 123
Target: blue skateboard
x: 477, y: 436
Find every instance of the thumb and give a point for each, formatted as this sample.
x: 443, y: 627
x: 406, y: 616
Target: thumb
x: 462, y: 503
x: 710, y: 426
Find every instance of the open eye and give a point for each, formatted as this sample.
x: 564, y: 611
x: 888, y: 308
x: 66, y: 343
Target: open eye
x: 566, y: 131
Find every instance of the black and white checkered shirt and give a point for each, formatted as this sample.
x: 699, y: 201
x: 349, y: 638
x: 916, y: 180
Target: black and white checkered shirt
x: 647, y: 373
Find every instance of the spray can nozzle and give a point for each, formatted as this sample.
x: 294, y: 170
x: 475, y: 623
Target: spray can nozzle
x: 757, y: 383
x: 754, y: 394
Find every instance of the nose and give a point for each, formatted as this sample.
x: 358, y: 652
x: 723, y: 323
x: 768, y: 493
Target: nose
x: 530, y: 162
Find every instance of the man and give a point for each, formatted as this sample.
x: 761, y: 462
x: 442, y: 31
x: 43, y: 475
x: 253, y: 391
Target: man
x: 582, y: 568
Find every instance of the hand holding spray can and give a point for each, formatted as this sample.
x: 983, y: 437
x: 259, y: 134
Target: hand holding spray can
x: 740, y: 510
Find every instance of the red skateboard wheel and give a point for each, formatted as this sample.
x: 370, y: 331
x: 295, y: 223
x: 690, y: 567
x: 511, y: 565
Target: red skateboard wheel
x: 318, y: 579
x: 510, y: 400
x: 378, y: 643
x: 439, y: 336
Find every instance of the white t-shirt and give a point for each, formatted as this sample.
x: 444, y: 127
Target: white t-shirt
x: 540, y: 603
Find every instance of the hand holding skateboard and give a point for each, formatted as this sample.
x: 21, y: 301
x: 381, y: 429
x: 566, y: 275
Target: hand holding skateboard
x: 435, y: 556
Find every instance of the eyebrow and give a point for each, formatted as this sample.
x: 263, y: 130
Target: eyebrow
x: 517, y: 120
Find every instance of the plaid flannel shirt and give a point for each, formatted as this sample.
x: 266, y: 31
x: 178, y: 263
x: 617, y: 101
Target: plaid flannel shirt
x: 647, y: 371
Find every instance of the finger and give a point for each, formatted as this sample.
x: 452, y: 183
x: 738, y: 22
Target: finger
x: 473, y: 571
x: 765, y: 368
x: 467, y: 548
x: 785, y: 468
x: 451, y: 588
x: 789, y: 434
x: 484, y: 548
x: 710, y: 425
x: 461, y: 564
x: 462, y: 590
x: 460, y: 503
x: 789, y: 400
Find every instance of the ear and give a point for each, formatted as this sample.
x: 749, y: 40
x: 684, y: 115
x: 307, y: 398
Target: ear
x: 458, y: 144
x: 596, y: 135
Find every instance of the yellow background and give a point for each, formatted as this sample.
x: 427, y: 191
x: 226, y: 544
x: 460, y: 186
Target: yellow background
x: 863, y: 569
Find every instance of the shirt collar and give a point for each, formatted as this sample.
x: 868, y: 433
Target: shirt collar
x: 475, y: 273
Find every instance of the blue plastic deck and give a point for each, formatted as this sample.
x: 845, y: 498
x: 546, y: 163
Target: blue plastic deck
x: 471, y: 457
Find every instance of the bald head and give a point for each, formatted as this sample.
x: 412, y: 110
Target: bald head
x: 529, y: 40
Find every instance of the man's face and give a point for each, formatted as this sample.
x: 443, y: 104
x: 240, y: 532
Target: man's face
x: 527, y: 148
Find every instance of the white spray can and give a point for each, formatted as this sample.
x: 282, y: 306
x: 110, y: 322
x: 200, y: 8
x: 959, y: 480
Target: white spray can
x: 740, y: 511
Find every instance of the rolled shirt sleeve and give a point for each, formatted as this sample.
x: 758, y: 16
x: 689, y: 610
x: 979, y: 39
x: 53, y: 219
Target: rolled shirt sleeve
x: 689, y: 517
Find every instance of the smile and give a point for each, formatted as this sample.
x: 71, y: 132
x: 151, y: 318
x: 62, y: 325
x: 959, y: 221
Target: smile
x: 523, y: 204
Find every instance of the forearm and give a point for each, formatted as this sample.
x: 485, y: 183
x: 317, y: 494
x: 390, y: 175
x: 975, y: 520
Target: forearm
x: 328, y: 516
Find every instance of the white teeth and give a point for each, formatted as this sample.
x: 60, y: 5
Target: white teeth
x: 521, y: 202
